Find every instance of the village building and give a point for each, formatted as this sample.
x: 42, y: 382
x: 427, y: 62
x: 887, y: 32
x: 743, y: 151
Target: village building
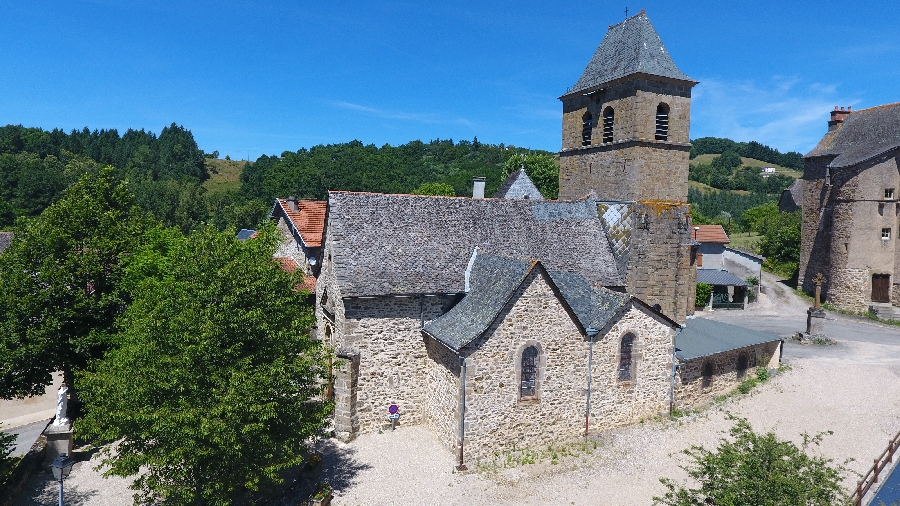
x: 850, y: 211
x: 791, y: 197
x: 518, y: 186
x: 711, y: 250
x: 301, y: 223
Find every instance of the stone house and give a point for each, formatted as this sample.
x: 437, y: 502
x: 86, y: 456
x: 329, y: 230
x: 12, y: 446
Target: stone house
x: 711, y: 251
x: 516, y: 352
x: 714, y: 357
x: 791, y: 197
x: 301, y: 223
x: 626, y: 138
x: 850, y: 210
x: 518, y: 186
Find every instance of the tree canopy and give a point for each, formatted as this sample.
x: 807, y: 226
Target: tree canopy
x: 60, y: 279
x: 758, y: 469
x: 215, y: 385
x: 752, y: 149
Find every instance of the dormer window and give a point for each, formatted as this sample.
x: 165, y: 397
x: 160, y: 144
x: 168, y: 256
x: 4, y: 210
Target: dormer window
x: 586, y: 129
x: 662, y: 122
x: 609, y: 117
x: 888, y: 194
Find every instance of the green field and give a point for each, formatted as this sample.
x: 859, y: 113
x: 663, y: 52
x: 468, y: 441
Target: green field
x: 744, y: 240
x: 224, y: 175
x: 753, y: 162
x: 697, y: 185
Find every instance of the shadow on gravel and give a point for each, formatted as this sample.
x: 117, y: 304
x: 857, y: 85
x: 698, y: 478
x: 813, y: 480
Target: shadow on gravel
x: 341, y: 466
x: 43, y: 489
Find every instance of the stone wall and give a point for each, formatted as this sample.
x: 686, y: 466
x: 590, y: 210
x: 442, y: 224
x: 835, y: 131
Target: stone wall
x: 498, y: 420
x: 442, y: 393
x: 290, y: 247
x: 742, y: 265
x: 691, y: 388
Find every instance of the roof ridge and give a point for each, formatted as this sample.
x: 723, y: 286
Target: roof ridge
x: 882, y: 106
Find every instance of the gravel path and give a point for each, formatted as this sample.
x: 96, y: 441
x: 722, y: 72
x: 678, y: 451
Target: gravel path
x: 851, y: 388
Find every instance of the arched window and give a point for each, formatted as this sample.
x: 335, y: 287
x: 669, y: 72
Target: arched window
x: 528, y: 387
x: 625, y: 358
x: 662, y: 122
x: 707, y: 374
x: 586, y: 128
x: 742, y: 364
x: 609, y: 117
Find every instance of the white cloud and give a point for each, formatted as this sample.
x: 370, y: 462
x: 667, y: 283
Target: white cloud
x: 784, y: 113
x: 421, y: 118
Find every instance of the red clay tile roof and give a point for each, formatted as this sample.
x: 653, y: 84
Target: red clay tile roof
x: 309, y: 219
x: 290, y: 265
x: 710, y: 233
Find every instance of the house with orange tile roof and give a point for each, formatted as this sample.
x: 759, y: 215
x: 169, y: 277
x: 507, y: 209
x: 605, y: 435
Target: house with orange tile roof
x: 301, y: 223
x: 712, y: 240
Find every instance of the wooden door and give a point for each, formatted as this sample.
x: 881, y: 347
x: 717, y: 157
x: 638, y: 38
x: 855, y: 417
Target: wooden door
x: 881, y: 287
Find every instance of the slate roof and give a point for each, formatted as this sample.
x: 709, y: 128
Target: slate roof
x: 719, y: 277
x: 630, y: 47
x: 701, y: 338
x: 410, y: 244
x: 863, y: 135
x: 5, y: 240
x: 494, y: 281
x: 710, y: 233
x: 791, y: 197
x: 245, y: 233
x: 308, y: 220
x: 518, y: 186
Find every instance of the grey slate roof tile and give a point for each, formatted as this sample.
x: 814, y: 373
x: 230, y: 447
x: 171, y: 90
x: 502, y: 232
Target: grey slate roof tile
x: 701, y: 338
x: 630, y: 47
x: 719, y: 277
x: 493, y: 282
x: 410, y: 244
x: 518, y: 186
x: 5, y: 240
x: 863, y: 135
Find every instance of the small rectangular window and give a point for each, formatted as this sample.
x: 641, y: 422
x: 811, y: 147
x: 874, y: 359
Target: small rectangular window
x: 885, y: 234
x: 888, y: 194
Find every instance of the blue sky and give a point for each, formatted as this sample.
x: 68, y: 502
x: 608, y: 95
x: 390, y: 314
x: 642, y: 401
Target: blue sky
x: 273, y: 76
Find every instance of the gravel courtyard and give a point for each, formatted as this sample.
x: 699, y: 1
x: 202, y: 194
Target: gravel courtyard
x: 851, y: 388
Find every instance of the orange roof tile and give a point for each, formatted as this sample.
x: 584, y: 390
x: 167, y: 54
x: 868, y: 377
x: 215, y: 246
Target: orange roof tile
x: 309, y: 219
x: 290, y: 265
x: 710, y: 233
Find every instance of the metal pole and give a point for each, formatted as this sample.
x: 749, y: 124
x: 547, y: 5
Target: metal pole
x: 60, y: 492
x: 462, y: 413
x: 587, y: 409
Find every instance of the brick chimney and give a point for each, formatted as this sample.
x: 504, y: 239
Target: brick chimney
x: 837, y: 117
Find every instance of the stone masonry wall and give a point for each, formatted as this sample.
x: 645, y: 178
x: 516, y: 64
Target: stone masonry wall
x: 442, y: 391
x: 498, y: 420
x: 690, y: 388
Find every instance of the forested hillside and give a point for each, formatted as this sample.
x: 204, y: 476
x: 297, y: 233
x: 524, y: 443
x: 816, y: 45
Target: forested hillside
x: 752, y: 149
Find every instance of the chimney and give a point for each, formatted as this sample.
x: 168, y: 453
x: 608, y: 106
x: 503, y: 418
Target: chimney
x: 837, y: 117
x: 292, y: 203
x: 478, y: 188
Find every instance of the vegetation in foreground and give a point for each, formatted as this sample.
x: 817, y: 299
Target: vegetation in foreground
x: 760, y: 469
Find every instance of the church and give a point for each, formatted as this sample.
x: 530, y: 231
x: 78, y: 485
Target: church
x: 510, y: 321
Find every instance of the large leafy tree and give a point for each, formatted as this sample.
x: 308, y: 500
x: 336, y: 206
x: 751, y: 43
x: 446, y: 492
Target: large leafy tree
x: 216, y: 383
x: 758, y: 469
x: 60, y: 279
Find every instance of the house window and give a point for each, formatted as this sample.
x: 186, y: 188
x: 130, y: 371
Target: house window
x: 625, y: 358
x: 888, y: 194
x: 707, y: 374
x: 528, y: 387
x: 609, y: 117
x: 586, y: 129
x: 885, y: 234
x: 827, y: 176
x: 742, y: 364
x: 662, y: 122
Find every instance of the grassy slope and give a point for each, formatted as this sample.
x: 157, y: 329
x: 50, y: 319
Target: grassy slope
x: 697, y: 185
x: 744, y: 241
x: 753, y: 162
x: 224, y: 175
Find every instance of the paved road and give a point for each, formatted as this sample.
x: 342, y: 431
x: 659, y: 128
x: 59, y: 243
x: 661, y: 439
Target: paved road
x: 27, y: 435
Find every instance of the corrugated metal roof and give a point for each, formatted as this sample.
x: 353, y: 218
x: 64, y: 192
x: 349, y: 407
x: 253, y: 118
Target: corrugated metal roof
x: 719, y: 277
x: 701, y: 338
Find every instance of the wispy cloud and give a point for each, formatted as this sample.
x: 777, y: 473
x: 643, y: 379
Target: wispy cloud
x: 406, y: 116
x: 784, y: 112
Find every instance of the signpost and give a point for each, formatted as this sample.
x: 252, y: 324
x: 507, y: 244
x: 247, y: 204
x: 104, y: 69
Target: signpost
x: 394, y: 414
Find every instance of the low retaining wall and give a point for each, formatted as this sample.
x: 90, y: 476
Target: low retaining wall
x: 26, y: 467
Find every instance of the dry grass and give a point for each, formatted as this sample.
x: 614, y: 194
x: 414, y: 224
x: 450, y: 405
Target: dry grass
x: 224, y: 175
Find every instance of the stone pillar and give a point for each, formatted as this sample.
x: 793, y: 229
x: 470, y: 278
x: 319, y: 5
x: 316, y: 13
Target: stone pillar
x: 815, y: 323
x: 59, y: 441
x: 346, y: 379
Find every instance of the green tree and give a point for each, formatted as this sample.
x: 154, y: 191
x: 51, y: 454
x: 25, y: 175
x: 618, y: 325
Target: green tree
x: 60, y: 279
x: 541, y: 168
x: 728, y: 160
x: 442, y: 189
x: 757, y: 469
x: 216, y: 384
x: 704, y: 290
x: 758, y: 218
x: 7, y: 463
x: 781, y: 243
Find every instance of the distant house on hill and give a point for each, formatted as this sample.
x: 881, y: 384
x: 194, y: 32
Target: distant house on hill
x: 850, y: 188
x: 712, y: 240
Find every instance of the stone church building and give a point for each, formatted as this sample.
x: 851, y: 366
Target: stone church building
x: 850, y: 211
x: 515, y: 320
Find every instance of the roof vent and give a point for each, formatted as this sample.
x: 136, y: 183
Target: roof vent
x: 478, y: 188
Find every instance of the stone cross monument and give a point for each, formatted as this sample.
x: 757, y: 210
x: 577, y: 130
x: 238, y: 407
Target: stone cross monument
x: 815, y: 316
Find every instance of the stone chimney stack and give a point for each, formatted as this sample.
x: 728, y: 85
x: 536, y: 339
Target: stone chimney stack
x: 292, y: 203
x: 478, y: 188
x: 837, y: 117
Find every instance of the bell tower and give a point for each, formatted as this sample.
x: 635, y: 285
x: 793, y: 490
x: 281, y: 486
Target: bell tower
x: 626, y: 138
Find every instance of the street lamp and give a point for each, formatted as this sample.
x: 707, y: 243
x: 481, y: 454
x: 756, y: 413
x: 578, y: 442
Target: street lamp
x: 61, y: 467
